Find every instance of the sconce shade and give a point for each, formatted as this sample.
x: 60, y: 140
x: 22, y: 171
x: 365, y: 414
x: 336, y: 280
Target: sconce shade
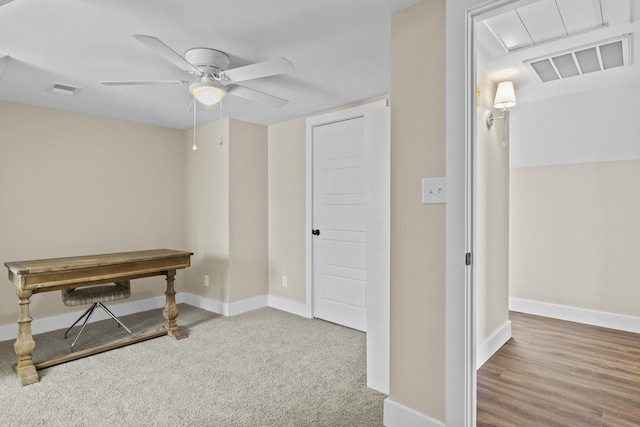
x: 505, y: 96
x: 207, y: 93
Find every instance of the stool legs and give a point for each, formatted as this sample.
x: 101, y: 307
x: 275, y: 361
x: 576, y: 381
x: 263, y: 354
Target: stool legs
x: 113, y: 316
x: 90, y: 309
x: 87, y: 315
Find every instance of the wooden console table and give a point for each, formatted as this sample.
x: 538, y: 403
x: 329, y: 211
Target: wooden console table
x: 32, y: 277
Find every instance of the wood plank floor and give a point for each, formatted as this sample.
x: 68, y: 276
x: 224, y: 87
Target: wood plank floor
x: 558, y: 373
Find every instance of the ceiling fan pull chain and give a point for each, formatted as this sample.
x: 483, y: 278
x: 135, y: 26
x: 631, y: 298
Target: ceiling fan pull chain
x: 220, y: 122
x: 195, y: 106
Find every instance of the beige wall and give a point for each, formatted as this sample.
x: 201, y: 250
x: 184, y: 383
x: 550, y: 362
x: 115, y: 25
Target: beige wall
x: 199, y: 181
x: 574, y: 222
x: 491, y: 263
x: 207, y: 209
x: 248, y: 211
x: 574, y: 235
x: 417, y: 371
x: 74, y: 184
x: 226, y: 205
x: 287, y: 214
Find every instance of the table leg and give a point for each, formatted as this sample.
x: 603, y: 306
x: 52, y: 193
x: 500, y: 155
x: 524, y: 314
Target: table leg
x: 170, y: 311
x: 25, y: 344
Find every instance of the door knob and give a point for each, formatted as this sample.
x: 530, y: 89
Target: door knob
x: 315, y: 232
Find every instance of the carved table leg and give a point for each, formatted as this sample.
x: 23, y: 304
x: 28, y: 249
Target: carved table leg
x: 25, y: 344
x: 170, y: 311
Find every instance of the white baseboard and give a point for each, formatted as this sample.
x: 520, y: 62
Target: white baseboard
x: 208, y: 304
x: 248, y: 305
x: 52, y: 323
x: 290, y: 306
x: 244, y: 306
x: 61, y: 321
x: 223, y: 308
x: 397, y: 415
x: 492, y: 344
x: 575, y: 314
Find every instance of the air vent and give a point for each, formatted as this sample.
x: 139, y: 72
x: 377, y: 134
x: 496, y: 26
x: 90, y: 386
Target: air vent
x: 583, y: 60
x: 63, y: 89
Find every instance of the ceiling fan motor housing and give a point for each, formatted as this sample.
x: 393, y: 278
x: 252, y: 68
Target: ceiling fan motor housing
x: 213, y: 79
x: 208, y: 61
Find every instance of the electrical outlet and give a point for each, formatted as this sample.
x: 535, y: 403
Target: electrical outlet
x: 284, y: 282
x: 206, y: 280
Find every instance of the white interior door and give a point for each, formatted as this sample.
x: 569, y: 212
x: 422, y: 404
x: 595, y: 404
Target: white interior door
x: 339, y: 223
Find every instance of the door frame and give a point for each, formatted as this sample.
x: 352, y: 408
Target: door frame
x: 376, y: 348
x: 460, y: 371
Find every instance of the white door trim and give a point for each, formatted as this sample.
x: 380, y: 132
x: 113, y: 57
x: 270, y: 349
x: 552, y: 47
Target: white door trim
x: 460, y: 299
x: 379, y: 347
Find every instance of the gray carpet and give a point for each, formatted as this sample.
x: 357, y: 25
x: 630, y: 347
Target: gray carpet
x: 263, y: 368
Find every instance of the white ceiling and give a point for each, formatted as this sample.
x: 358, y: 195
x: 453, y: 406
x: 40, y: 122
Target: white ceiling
x: 340, y: 50
x: 529, y: 30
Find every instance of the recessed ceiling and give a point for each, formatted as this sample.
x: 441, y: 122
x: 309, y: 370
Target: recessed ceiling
x: 340, y: 50
x: 553, y: 47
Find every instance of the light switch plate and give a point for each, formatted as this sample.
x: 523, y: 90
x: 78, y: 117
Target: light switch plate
x: 434, y: 190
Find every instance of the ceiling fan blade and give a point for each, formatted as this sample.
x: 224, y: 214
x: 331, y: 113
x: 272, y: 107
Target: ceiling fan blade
x: 167, y: 53
x: 142, y: 82
x: 258, y: 70
x: 257, y: 96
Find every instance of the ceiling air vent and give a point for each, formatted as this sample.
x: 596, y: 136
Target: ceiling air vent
x: 63, y: 89
x: 583, y: 60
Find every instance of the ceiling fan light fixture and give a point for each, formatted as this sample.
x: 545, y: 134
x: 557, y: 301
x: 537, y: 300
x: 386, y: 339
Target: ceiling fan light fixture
x: 207, y: 93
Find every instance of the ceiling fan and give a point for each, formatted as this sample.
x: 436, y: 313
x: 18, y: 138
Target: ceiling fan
x: 212, y: 80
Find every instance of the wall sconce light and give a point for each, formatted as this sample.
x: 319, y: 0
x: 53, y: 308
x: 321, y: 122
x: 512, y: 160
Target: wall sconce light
x: 505, y: 99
